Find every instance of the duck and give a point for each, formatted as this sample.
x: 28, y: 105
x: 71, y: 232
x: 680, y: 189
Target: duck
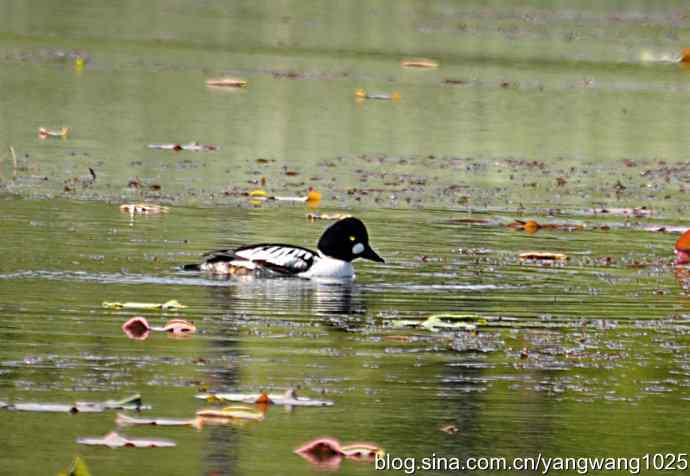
x: 682, y: 249
x: 340, y: 244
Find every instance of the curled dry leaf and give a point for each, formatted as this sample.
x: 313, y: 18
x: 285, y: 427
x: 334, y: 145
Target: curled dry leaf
x: 143, y: 209
x: 44, y: 133
x: 289, y: 398
x: 419, y: 63
x: 114, y: 440
x: 226, y: 83
x: 450, y: 429
x: 235, y: 412
x: 145, y: 306
x: 179, y: 327
x: 542, y: 256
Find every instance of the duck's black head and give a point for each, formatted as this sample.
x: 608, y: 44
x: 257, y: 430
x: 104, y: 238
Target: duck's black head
x: 347, y: 240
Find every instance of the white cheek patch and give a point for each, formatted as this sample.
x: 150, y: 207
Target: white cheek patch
x: 357, y: 249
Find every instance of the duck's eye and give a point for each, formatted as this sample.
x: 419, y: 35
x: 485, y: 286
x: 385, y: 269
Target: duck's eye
x: 352, y: 238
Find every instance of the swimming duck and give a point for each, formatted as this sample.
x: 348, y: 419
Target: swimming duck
x: 682, y: 249
x: 339, y: 245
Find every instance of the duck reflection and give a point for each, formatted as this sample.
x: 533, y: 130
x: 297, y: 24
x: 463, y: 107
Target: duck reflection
x: 338, y: 304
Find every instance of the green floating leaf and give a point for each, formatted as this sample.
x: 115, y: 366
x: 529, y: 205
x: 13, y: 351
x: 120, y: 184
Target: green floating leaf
x: 437, y: 322
x: 78, y: 468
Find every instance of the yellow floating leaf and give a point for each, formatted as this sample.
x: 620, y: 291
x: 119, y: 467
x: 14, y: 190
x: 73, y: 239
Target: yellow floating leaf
x: 240, y: 412
x: 227, y: 83
x: 313, y: 196
x: 144, y: 306
x: 419, y: 63
x: 258, y: 193
x: 543, y: 256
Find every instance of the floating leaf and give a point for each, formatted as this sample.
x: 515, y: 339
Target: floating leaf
x: 362, y: 451
x: 125, y: 420
x: 132, y: 402
x: 325, y: 216
x: 137, y: 328
x: 362, y: 94
x: 289, y: 398
x: 542, y: 256
x: 450, y: 429
x: 683, y: 243
x: 437, y: 322
x: 227, y: 83
x: 258, y: 193
x: 143, y: 208
x: 192, y: 147
x: 44, y: 133
x: 78, y: 468
x: 114, y: 440
x: 179, y: 327
x: 419, y: 63
x: 144, y: 306
x: 239, y: 412
x: 328, y: 452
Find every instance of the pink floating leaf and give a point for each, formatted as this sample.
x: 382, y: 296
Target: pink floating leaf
x: 137, y: 328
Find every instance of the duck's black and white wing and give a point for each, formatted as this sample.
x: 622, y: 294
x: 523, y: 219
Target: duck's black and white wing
x: 282, y: 259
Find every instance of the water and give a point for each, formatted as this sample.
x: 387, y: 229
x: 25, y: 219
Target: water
x: 594, y: 350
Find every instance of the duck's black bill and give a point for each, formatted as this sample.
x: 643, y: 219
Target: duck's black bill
x: 371, y: 255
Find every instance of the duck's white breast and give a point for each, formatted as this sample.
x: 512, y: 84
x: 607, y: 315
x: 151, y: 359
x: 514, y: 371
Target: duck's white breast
x: 325, y: 267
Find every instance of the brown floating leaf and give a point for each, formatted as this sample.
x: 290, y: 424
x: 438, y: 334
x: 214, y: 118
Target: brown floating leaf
x: 685, y: 55
x: 419, y: 63
x: 226, y: 83
x: 114, y: 440
x: 542, y: 256
x: 325, y: 216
